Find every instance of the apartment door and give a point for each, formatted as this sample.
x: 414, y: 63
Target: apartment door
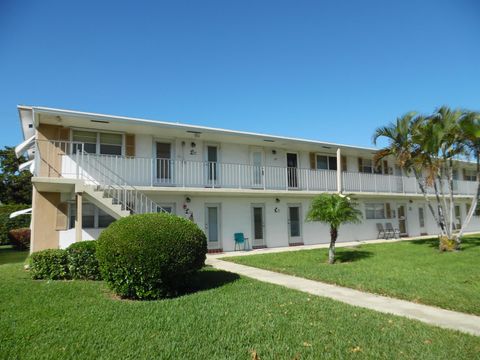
x: 402, y: 219
x: 257, y: 168
x: 292, y: 170
x: 212, y: 165
x: 421, y: 219
x: 258, y: 225
x: 294, y: 224
x: 164, y: 159
x: 458, y: 218
x: 212, y: 225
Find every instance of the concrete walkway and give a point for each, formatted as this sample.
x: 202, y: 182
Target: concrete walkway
x: 317, y: 246
x: 428, y: 314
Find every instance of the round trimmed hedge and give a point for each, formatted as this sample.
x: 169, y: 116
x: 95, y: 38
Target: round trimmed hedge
x: 150, y: 256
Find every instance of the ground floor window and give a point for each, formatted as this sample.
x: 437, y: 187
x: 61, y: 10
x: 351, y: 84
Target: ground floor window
x: 92, y: 216
x: 378, y: 211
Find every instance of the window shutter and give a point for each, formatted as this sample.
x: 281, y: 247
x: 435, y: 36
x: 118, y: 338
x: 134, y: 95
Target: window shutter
x: 62, y: 216
x: 388, y: 210
x: 313, y: 164
x: 360, y: 165
x: 344, y: 163
x: 64, y: 134
x: 130, y: 145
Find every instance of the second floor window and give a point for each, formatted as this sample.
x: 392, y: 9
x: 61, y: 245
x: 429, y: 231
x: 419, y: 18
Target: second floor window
x: 469, y: 175
x: 325, y: 162
x: 98, y: 142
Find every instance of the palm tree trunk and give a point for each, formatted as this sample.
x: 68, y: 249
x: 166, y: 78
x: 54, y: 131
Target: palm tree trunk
x: 331, y: 250
x: 427, y: 200
x: 441, y: 215
x: 452, y: 203
x: 473, y: 205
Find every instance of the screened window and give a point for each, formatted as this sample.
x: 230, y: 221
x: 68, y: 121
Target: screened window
x: 88, y: 138
x: 92, y: 217
x: 111, y: 144
x: 375, y: 210
x: 366, y: 166
x: 98, y: 143
x: 469, y: 175
x: 325, y: 162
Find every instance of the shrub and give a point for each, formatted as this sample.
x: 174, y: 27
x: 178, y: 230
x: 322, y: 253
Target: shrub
x: 150, y: 256
x: 7, y: 224
x: 49, y: 264
x: 82, y: 261
x: 20, y: 238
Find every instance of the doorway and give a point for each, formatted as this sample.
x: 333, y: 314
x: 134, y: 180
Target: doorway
x: 257, y: 168
x: 258, y: 225
x: 421, y: 220
x: 292, y: 169
x: 212, y: 165
x: 294, y: 224
x: 402, y: 219
x: 212, y: 226
x: 164, y: 162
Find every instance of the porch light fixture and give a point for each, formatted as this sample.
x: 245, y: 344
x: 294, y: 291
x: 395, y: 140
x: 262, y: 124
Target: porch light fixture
x: 277, y: 200
x: 274, y: 152
x: 187, y: 199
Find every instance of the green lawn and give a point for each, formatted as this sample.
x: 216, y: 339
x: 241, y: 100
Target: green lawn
x: 412, y: 270
x: 227, y: 317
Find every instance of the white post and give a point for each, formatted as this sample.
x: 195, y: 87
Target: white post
x: 78, y: 218
x: 339, y: 171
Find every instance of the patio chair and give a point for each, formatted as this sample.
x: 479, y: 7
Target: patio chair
x: 240, y: 240
x: 395, y: 232
x: 382, y: 233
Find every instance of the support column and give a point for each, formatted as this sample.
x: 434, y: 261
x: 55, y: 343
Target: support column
x: 78, y: 218
x: 339, y: 171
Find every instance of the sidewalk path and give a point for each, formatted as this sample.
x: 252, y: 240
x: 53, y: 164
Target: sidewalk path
x: 428, y: 314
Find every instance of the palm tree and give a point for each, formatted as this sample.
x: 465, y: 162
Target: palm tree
x: 470, y: 136
x: 335, y: 210
x: 405, y: 150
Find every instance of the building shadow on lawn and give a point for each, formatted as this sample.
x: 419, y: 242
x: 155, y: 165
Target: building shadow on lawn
x: 208, y: 279
x: 346, y: 256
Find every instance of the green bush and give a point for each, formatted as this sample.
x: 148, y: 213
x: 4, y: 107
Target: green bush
x: 7, y: 224
x: 49, y: 264
x: 82, y: 261
x: 20, y: 238
x: 150, y: 256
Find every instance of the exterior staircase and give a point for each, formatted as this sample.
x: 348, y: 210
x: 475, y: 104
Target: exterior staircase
x: 111, y: 193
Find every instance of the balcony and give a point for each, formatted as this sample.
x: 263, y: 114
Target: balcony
x: 61, y: 160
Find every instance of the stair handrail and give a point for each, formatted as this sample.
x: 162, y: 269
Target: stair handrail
x: 130, y: 192
x: 118, y: 185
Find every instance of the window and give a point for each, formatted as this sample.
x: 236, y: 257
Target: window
x: 325, y: 162
x: 92, y: 217
x: 168, y: 207
x: 378, y: 211
x: 99, y: 143
x: 477, y: 210
x: 365, y: 165
x: 469, y: 175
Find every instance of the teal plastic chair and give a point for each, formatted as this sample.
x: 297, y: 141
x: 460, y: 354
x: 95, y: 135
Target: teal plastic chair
x: 240, y: 240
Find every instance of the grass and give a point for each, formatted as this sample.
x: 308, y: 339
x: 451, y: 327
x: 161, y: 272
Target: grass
x: 227, y: 317
x: 411, y: 270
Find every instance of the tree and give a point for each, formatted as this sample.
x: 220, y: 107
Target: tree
x: 428, y: 146
x: 335, y: 210
x: 15, y: 186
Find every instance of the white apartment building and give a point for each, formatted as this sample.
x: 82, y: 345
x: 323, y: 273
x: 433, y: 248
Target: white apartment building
x: 90, y: 169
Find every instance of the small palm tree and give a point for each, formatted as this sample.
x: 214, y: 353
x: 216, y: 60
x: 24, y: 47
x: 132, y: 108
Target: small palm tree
x: 335, y: 210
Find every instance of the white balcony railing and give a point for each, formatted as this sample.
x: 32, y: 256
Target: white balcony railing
x: 138, y: 171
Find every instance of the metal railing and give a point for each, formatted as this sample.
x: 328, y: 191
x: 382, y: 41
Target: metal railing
x: 150, y: 172
x: 90, y: 168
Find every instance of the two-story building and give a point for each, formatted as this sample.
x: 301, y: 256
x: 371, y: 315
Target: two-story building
x: 90, y: 169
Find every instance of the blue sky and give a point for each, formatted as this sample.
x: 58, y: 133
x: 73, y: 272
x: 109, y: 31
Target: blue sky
x: 324, y: 70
